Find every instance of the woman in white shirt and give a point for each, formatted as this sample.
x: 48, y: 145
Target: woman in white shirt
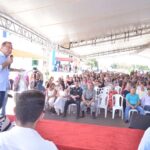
x: 21, y: 84
x: 61, y: 99
x: 51, y: 95
x: 141, y: 90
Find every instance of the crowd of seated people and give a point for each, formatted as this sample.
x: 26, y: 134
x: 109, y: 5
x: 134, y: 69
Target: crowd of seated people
x: 83, y: 90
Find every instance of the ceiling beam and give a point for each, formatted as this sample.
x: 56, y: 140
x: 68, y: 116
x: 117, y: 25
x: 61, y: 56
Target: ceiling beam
x: 110, y: 52
x: 11, y: 25
x: 126, y: 35
x: 66, y: 51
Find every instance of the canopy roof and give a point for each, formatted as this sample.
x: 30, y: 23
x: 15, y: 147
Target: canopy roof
x: 25, y: 54
x: 66, y: 21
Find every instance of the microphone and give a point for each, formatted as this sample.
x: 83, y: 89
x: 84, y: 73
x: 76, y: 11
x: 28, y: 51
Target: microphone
x: 11, y: 56
x: 9, y: 67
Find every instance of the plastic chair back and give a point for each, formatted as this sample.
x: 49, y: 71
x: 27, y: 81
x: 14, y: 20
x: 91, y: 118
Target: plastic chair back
x: 117, y: 101
x: 118, y: 89
x: 103, y: 101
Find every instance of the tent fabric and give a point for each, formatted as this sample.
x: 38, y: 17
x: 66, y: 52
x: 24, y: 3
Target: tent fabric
x: 76, y: 20
x: 66, y: 21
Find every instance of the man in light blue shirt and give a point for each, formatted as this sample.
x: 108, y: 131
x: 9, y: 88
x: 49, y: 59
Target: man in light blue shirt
x: 5, y: 61
x: 132, y: 102
x: 145, y: 142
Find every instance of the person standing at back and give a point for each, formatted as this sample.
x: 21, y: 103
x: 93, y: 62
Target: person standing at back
x: 28, y: 110
x: 6, y: 60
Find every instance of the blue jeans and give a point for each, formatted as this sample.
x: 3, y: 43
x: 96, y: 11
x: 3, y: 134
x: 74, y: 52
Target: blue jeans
x: 147, y: 107
x: 138, y: 108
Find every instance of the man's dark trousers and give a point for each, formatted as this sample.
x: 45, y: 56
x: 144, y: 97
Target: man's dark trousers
x: 2, y: 97
x: 71, y: 101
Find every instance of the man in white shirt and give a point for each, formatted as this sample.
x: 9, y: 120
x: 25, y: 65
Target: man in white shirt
x: 145, y: 142
x: 141, y: 90
x: 28, y: 110
x: 145, y: 101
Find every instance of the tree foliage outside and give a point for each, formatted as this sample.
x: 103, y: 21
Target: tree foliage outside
x: 92, y: 63
x: 130, y: 67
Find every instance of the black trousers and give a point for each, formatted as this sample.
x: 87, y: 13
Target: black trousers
x: 2, y: 97
x: 71, y: 101
x: 124, y: 105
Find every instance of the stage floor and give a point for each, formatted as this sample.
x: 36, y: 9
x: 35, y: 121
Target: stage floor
x: 100, y: 120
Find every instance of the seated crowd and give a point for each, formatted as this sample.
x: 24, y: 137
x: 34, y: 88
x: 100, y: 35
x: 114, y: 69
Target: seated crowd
x: 85, y: 90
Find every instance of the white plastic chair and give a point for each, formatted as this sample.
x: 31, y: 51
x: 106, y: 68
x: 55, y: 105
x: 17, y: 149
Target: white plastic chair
x: 117, y: 104
x: 118, y: 89
x: 106, y: 90
x: 132, y: 111
x: 72, y: 86
x: 146, y: 112
x: 71, y: 108
x: 103, y: 103
x: 101, y: 91
x: 109, y: 87
x: 98, y: 92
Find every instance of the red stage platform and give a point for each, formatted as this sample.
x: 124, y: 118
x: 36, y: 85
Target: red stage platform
x: 75, y: 136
